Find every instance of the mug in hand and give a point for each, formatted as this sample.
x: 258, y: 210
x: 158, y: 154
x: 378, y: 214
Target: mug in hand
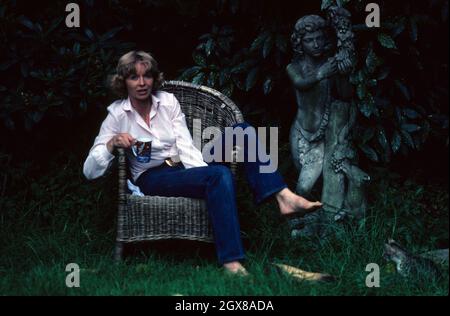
x: 142, y: 149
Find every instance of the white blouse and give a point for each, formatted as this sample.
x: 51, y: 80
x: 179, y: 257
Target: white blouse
x: 168, y: 129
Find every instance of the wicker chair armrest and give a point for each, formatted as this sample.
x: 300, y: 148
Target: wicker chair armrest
x: 122, y: 170
x: 122, y: 190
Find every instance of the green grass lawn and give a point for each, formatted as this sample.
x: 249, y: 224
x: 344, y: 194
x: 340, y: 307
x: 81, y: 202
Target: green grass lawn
x: 50, y: 217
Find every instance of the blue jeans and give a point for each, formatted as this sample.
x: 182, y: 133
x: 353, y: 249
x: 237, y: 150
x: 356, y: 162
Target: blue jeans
x: 216, y: 184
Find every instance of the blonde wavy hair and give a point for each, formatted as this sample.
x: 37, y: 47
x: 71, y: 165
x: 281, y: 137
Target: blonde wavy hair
x: 127, y: 66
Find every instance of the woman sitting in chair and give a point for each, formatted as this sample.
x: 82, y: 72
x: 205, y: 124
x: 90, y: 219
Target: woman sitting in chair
x: 147, y: 112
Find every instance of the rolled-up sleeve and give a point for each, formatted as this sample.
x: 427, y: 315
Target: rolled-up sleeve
x: 190, y: 156
x: 99, y: 158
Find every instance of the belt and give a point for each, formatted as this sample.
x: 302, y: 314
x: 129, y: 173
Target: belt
x: 171, y: 163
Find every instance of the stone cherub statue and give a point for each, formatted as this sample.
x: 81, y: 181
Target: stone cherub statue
x: 320, y: 136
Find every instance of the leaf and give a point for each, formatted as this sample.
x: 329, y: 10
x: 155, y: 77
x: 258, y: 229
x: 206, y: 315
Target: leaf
x: 361, y: 91
x: 209, y: 47
x: 199, y: 60
x: 89, y: 34
x: 38, y: 27
x: 354, y: 78
x: 413, y: 29
x: 362, y: 75
x: 384, y: 73
x: 372, y: 82
x: 369, y: 152
x: 399, y: 28
x: 267, y: 87
x: 239, y: 83
x: 251, y: 79
x: 212, y: 79
x: 410, y: 113
x: 367, y: 135
x: 54, y: 25
x: 244, y: 66
x: 396, y: 141
x: 365, y: 108
x: 225, y: 44
x: 371, y: 61
x: 268, y: 45
x: 228, y: 90
x: 402, y: 87
x: 224, y: 77
x: 83, y: 105
x: 205, y: 36
x: 110, y: 33
x: 407, y: 138
x: 227, y: 30
x: 199, y: 78
x: 399, y: 115
x: 339, y: 3
x: 190, y: 72
x: 382, y: 139
x: 326, y: 4
x: 201, y: 46
x: 303, y: 275
x: 36, y: 116
x: 76, y: 48
x: 386, y: 41
x: 26, y: 22
x: 258, y: 42
x: 411, y: 128
x: 7, y: 64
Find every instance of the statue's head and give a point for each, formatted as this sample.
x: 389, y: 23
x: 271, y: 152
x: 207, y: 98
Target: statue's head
x: 310, y: 36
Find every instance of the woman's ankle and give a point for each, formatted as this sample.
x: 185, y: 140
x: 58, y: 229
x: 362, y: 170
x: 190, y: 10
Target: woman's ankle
x: 235, y: 267
x: 232, y: 265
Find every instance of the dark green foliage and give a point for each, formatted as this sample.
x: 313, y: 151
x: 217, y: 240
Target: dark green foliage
x: 400, y: 79
x: 49, y: 70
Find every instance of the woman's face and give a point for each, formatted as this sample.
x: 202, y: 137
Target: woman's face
x: 140, y: 84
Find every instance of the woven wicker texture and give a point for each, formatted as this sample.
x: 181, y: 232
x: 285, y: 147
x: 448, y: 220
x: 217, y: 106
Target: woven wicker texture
x: 155, y: 217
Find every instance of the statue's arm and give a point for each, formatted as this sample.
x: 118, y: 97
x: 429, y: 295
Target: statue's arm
x: 301, y: 82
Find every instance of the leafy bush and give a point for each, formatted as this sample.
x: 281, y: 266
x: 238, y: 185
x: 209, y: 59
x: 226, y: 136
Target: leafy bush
x: 400, y: 79
x: 49, y: 69
x: 399, y: 84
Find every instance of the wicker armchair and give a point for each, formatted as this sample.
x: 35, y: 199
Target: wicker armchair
x: 154, y: 217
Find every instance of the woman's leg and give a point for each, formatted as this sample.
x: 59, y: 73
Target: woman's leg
x: 263, y: 184
x: 216, y: 185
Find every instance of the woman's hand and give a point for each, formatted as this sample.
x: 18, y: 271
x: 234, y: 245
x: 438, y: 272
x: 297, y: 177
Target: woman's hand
x: 123, y: 140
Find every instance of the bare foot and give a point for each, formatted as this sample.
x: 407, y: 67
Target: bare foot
x: 290, y: 203
x: 235, y: 268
